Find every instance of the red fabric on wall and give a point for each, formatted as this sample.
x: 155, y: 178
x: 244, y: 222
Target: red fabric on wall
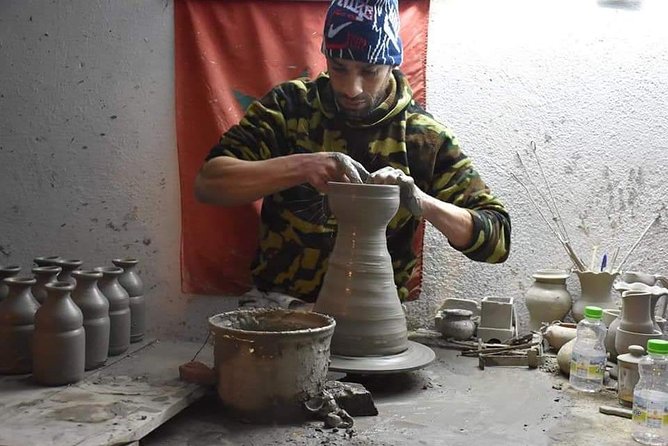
x: 227, y: 53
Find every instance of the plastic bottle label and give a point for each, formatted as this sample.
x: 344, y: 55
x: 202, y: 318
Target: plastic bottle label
x: 649, y: 413
x: 587, y: 368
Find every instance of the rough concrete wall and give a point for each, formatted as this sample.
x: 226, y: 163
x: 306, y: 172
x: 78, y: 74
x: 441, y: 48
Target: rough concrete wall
x: 88, y: 152
x: 87, y: 143
x: 588, y: 82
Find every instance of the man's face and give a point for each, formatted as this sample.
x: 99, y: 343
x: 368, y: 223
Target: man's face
x: 358, y: 86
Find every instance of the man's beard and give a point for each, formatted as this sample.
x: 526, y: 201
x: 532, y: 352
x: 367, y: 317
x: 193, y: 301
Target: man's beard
x: 367, y: 104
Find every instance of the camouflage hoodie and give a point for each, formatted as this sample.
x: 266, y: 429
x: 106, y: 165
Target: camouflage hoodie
x: 297, y: 231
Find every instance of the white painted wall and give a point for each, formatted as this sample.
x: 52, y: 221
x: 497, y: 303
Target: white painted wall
x: 88, y: 163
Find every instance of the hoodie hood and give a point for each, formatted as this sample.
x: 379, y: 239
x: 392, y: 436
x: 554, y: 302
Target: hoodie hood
x: 386, y: 110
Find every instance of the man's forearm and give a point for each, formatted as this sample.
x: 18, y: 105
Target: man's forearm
x: 228, y: 181
x: 454, y: 222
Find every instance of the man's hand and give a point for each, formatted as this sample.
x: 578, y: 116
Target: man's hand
x: 411, y: 195
x: 322, y: 167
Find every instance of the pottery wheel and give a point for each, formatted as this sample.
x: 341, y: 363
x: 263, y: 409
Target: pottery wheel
x: 415, y: 357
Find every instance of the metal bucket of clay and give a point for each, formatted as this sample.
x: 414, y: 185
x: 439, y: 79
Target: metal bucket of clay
x: 268, y: 362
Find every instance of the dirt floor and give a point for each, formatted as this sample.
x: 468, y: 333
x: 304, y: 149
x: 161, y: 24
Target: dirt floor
x: 450, y: 402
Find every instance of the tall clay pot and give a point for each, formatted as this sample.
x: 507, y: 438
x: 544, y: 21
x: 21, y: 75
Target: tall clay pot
x: 547, y: 299
x: 95, y: 309
x: 68, y: 265
x: 119, y: 309
x: 17, y: 326
x: 59, y: 348
x: 133, y: 284
x: 7, y: 271
x: 358, y: 288
x: 43, y: 275
x: 595, y: 290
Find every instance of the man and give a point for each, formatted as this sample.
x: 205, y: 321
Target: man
x: 356, y: 118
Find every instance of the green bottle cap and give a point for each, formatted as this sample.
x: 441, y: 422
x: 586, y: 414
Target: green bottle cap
x: 593, y: 312
x: 657, y: 346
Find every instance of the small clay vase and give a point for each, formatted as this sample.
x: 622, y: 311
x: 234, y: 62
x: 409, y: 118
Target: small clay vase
x: 119, y: 309
x: 564, y: 357
x: 95, y: 309
x: 7, y: 271
x: 358, y: 288
x: 455, y: 324
x: 47, y: 260
x: 547, y: 299
x: 560, y: 333
x: 133, y: 284
x: 68, y: 265
x: 595, y: 290
x: 43, y: 275
x: 17, y: 326
x: 59, y: 348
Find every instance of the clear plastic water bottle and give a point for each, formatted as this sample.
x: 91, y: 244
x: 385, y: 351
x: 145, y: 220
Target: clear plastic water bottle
x: 650, y: 396
x: 589, y: 355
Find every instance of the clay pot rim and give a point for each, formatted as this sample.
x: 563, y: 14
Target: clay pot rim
x: 563, y: 324
x: 597, y: 273
x: 11, y: 268
x: 69, y: 262
x: 60, y: 286
x: 21, y: 280
x: 126, y: 260
x: 47, y: 269
x: 641, y: 288
x: 363, y: 190
x: 111, y: 270
x: 647, y: 335
x: 89, y: 273
x: 640, y: 274
x: 47, y: 258
x: 551, y: 274
x: 216, y: 328
x: 457, y: 312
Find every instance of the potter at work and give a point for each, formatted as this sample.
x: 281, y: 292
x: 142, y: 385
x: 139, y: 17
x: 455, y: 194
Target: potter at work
x: 334, y: 222
x: 357, y: 122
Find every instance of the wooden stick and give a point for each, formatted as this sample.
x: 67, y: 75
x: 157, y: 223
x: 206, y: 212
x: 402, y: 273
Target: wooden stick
x: 562, y: 236
x: 500, y: 349
x: 549, y: 189
x: 613, y: 259
x: 635, y: 245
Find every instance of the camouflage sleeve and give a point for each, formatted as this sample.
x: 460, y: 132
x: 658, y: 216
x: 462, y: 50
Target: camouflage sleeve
x: 457, y: 182
x: 260, y: 134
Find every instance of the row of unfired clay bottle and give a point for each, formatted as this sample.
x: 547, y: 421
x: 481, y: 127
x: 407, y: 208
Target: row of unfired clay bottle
x: 64, y: 320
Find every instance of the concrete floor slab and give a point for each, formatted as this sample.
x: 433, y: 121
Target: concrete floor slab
x: 451, y: 402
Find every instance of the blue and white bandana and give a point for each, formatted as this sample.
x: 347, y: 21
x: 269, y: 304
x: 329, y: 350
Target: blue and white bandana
x: 364, y: 31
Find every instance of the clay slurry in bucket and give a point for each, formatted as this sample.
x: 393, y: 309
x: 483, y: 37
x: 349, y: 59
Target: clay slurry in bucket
x: 268, y: 362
